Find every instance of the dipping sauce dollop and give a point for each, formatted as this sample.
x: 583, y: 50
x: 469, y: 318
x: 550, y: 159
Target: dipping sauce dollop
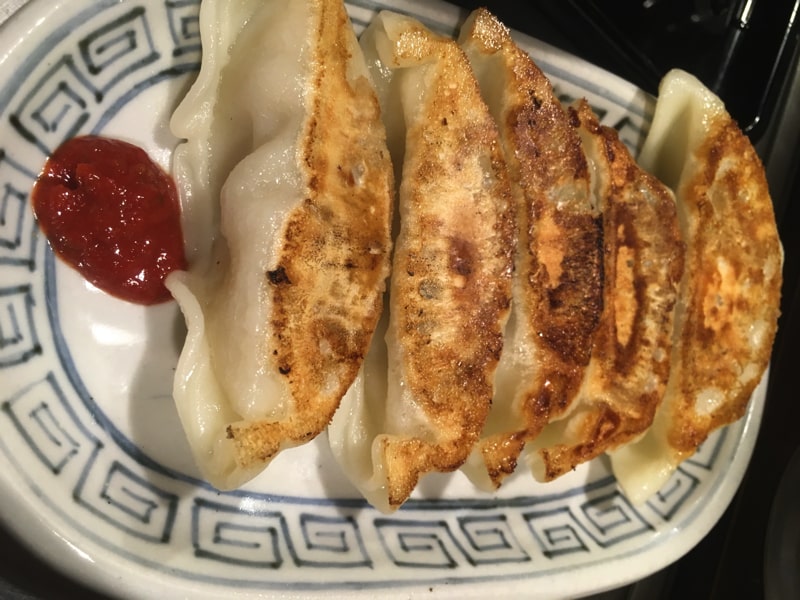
x: 113, y: 214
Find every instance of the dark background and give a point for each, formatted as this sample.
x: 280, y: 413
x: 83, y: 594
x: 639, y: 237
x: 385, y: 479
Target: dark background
x: 747, y: 53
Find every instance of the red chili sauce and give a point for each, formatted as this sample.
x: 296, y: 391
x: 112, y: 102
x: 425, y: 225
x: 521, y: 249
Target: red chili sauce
x: 113, y: 214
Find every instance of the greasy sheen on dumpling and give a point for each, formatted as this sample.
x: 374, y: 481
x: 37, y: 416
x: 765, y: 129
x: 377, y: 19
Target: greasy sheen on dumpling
x: 730, y: 294
x: 630, y: 360
x: 423, y: 410
x: 557, y: 286
x: 287, y: 183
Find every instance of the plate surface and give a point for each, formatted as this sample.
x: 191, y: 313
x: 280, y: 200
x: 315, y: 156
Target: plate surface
x: 94, y: 472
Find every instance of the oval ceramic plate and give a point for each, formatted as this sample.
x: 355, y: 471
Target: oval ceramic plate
x: 94, y: 470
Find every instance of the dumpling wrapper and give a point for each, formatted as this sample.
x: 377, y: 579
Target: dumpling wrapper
x: 643, y: 262
x: 730, y: 294
x: 558, y: 282
x: 287, y: 188
x: 424, y: 395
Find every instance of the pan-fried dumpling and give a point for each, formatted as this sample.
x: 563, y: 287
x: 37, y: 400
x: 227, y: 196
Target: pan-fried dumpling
x: 730, y: 294
x: 630, y: 360
x: 557, y: 289
x: 286, y: 173
x: 423, y: 410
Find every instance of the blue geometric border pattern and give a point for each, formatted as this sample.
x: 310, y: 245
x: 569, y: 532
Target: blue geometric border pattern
x: 263, y: 537
x: 118, y: 495
x: 228, y: 534
x: 558, y: 532
x: 120, y: 47
x: 685, y: 481
x: 184, y: 27
x: 57, y: 106
x: 18, y: 338
x: 331, y: 541
x: 112, y: 57
x: 94, y: 67
x: 490, y: 539
x: 18, y: 231
x: 419, y: 544
x: 611, y: 519
x: 43, y: 417
x: 669, y: 499
x: 603, y: 520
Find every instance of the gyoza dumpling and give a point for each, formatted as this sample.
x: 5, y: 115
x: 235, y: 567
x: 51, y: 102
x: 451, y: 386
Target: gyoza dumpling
x: 643, y: 261
x: 451, y: 272
x: 287, y: 187
x: 558, y: 283
x: 730, y: 293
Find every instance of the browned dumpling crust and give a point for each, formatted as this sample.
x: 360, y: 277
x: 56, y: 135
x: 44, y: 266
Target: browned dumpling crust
x: 328, y: 282
x: 731, y: 294
x: 639, y: 324
x: 452, y: 267
x: 729, y: 300
x: 559, y: 271
x: 643, y: 264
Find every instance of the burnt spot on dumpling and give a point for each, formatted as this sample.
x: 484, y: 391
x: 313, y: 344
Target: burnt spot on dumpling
x: 462, y: 256
x: 278, y: 276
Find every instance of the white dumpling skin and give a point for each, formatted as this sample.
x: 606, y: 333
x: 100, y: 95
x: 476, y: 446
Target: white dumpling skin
x: 286, y: 187
x: 425, y: 393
